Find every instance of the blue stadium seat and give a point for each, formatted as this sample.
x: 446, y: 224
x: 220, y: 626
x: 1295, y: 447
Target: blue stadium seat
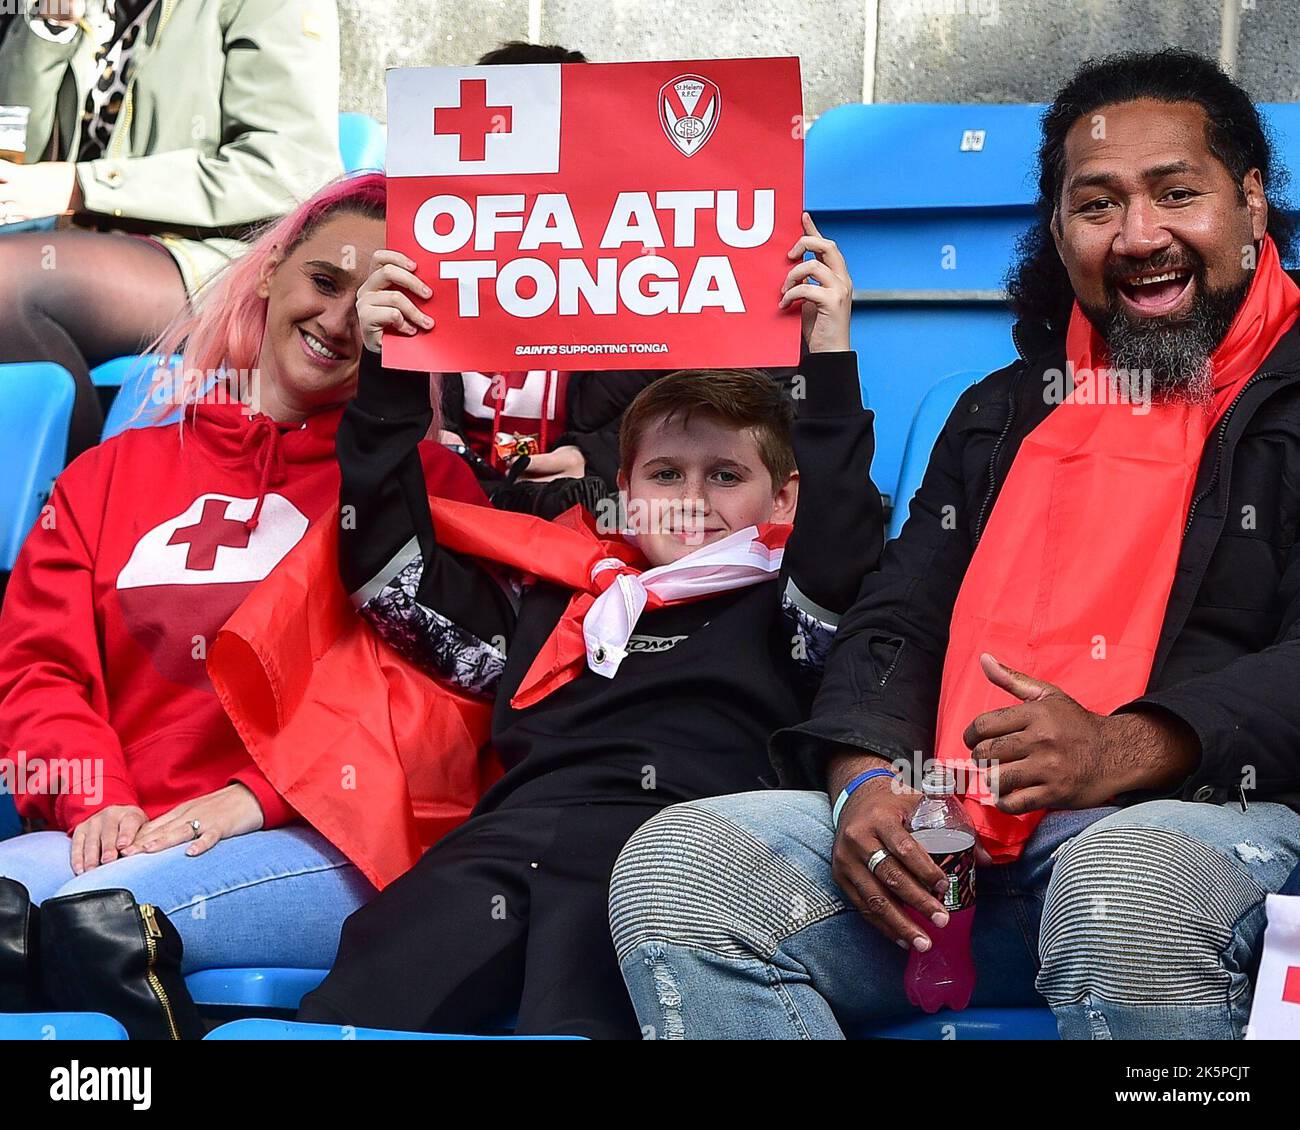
x: 134, y: 375
x: 35, y: 407
x: 929, y: 253
x: 114, y: 373
x: 255, y: 1029
x: 253, y: 988
x: 45, y: 223
x: 59, y: 1026
x: 933, y: 412
x: 972, y: 1024
x: 1283, y: 121
x: 362, y: 142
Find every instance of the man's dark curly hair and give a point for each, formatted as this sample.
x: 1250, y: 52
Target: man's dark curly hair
x: 1038, y: 286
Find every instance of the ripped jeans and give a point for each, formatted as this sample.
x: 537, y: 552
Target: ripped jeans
x: 1134, y: 923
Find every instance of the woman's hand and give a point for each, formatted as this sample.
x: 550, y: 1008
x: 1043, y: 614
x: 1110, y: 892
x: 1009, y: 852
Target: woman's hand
x: 382, y: 303
x: 823, y: 285
x: 28, y: 192
x: 228, y: 812
x: 101, y: 838
x: 565, y: 462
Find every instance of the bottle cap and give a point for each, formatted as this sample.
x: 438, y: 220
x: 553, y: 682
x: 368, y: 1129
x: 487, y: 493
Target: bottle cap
x: 939, y: 780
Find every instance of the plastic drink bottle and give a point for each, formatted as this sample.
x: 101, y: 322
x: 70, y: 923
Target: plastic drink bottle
x: 944, y: 976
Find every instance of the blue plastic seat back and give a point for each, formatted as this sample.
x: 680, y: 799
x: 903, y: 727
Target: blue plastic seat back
x: 112, y: 374
x: 927, y: 203
x: 59, y: 1026
x: 362, y: 142
x: 256, y: 1029
x: 263, y: 988
x: 35, y: 408
x: 1283, y: 122
x: 135, y: 376
x: 972, y: 1024
x: 935, y: 408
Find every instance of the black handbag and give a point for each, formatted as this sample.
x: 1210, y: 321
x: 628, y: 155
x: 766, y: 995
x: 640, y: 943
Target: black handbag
x: 20, y: 986
x: 103, y: 952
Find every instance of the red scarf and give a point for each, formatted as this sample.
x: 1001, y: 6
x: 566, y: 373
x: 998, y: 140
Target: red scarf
x: 1071, y: 578
x: 378, y: 757
x: 610, y: 582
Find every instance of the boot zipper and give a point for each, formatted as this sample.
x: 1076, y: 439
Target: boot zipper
x: 151, y: 935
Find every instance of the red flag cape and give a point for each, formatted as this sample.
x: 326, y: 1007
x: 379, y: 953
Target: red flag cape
x: 563, y: 552
x: 378, y: 757
x: 1070, y: 581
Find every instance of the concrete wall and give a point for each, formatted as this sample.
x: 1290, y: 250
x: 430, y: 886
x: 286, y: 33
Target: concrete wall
x: 893, y: 50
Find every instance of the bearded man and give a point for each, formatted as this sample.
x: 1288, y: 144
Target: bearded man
x: 1094, y: 608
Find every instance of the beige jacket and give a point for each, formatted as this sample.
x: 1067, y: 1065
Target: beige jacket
x: 230, y: 118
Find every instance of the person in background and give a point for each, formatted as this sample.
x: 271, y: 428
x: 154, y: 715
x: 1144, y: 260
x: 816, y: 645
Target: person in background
x: 162, y: 132
x: 151, y: 540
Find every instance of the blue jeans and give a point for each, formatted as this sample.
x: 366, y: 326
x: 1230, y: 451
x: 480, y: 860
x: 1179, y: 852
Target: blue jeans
x: 270, y: 898
x: 1142, y: 922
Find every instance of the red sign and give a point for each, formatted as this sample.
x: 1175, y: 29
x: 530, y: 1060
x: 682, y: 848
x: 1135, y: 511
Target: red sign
x: 597, y: 215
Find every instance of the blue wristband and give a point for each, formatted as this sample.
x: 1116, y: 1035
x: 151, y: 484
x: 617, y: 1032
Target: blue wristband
x: 852, y: 787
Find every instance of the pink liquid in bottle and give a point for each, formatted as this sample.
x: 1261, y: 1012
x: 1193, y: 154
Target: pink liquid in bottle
x: 944, y: 975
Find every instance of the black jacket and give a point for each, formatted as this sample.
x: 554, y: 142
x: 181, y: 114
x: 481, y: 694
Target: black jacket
x: 1228, y: 659
x: 704, y: 683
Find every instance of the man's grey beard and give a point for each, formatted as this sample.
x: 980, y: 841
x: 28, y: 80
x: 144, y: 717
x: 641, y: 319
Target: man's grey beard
x: 1166, y: 360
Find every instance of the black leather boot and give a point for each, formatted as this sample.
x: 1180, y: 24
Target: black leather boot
x: 20, y: 985
x: 100, y: 952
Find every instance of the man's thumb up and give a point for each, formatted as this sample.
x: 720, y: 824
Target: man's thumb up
x: 1024, y: 687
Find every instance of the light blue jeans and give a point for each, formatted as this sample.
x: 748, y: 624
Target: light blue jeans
x: 1135, y: 923
x: 270, y: 898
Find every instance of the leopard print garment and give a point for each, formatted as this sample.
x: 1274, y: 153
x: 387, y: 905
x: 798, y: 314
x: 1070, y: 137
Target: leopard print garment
x: 104, y: 102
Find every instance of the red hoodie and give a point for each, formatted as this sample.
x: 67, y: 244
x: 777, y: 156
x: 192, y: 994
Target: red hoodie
x: 149, y: 543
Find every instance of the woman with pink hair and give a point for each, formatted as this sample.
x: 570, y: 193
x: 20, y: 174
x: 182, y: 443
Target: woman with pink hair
x: 158, y: 826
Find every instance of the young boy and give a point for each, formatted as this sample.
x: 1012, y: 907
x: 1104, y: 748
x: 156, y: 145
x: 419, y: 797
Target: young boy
x: 507, y: 914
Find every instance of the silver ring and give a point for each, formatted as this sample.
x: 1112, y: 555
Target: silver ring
x: 196, y: 829
x: 877, y: 858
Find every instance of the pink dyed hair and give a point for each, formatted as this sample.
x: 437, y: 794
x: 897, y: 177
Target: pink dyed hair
x: 227, y: 324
